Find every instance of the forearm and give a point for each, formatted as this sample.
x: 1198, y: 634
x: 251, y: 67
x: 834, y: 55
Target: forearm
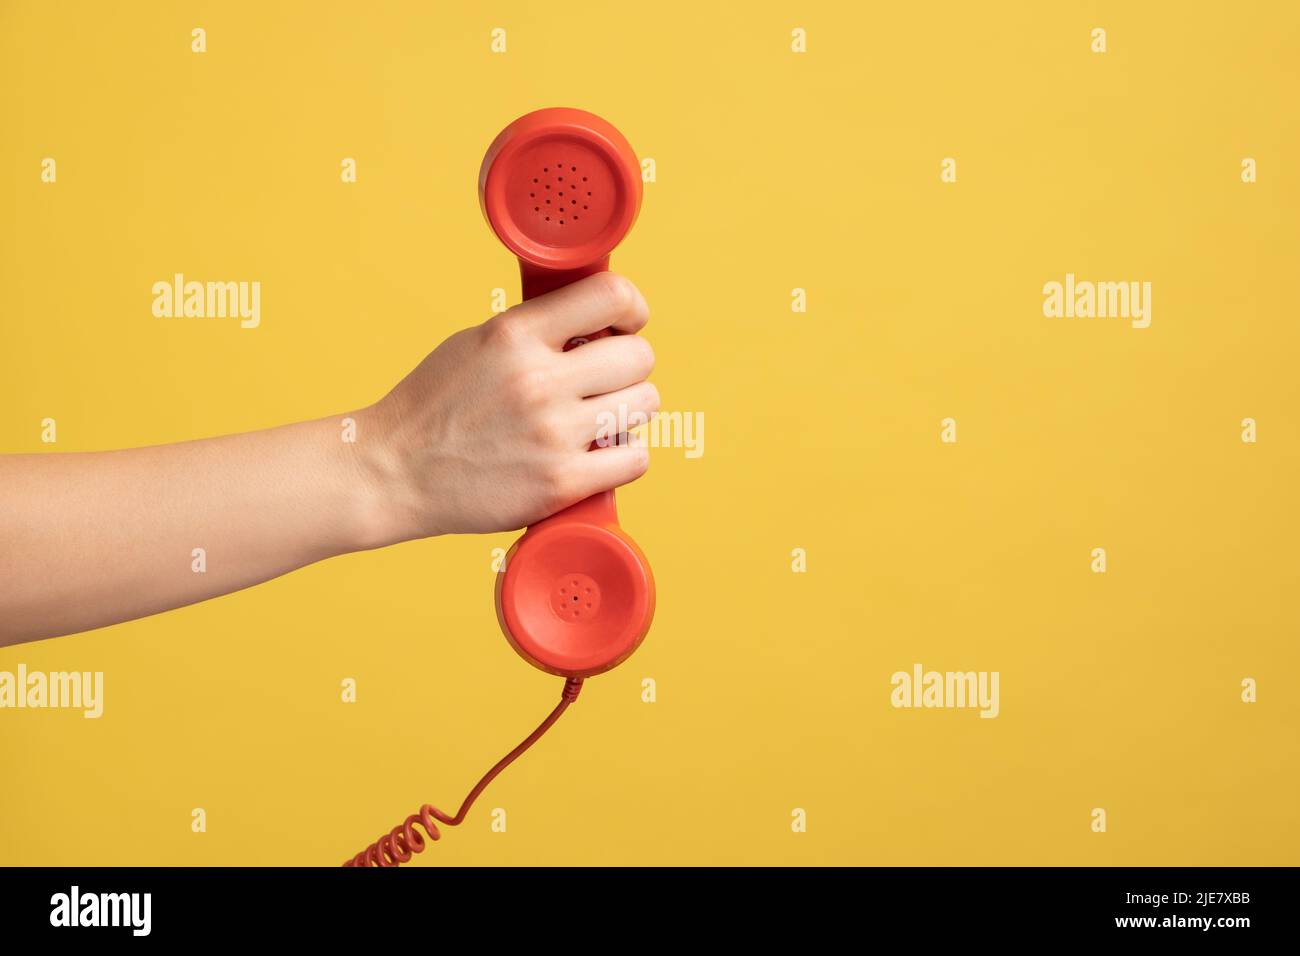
x: 491, y: 432
x: 95, y: 538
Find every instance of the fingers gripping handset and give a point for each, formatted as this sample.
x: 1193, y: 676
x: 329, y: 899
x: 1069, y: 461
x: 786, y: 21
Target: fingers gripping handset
x: 561, y: 188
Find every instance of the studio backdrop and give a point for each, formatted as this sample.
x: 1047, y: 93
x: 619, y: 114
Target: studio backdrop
x: 972, y: 504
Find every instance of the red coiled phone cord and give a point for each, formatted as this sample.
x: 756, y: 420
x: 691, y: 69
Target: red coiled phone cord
x: 398, y: 846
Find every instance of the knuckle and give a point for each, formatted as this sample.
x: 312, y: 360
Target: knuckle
x: 640, y: 456
x: 651, y: 398
x: 643, y: 354
x: 549, y: 431
x: 557, y: 484
x: 527, y: 388
x: 501, y: 331
x: 619, y: 292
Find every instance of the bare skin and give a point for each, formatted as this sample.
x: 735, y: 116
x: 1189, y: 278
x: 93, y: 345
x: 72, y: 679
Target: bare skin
x: 490, y: 432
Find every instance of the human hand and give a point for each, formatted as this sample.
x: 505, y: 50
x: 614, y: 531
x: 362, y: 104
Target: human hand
x: 492, y: 431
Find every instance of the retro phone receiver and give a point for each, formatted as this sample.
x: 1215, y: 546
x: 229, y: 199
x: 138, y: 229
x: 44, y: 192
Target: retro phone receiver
x: 561, y: 188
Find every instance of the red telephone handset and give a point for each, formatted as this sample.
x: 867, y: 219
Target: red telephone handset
x: 560, y: 187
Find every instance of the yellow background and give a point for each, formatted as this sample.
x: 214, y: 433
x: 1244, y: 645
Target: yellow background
x: 775, y: 171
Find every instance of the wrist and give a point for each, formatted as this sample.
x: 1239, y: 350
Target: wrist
x: 380, y: 494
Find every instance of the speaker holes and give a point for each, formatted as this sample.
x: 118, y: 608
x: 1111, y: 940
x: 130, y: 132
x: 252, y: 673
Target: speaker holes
x: 555, y: 187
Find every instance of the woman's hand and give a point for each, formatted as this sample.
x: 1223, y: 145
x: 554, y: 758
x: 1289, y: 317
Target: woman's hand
x: 491, y: 432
